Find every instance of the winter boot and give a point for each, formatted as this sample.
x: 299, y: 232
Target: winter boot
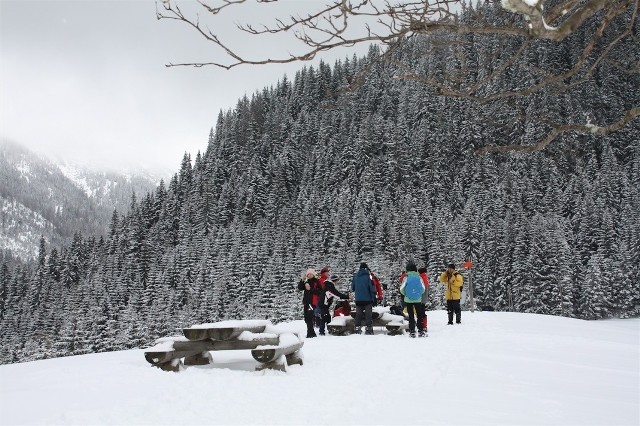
x: 412, y: 334
x: 310, y: 331
x: 357, y: 330
x: 369, y: 331
x: 422, y: 333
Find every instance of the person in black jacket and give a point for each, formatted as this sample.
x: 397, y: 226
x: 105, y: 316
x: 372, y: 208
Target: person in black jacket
x: 309, y: 285
x: 330, y: 293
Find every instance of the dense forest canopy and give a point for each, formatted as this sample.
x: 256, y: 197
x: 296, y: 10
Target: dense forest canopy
x: 305, y: 174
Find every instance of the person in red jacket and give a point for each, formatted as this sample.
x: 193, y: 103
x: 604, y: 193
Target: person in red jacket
x: 378, y: 286
x: 317, y: 300
x: 425, y: 295
x: 324, y: 274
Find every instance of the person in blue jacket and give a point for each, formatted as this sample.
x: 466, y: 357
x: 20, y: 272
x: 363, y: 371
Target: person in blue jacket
x: 364, y: 296
x: 412, y: 288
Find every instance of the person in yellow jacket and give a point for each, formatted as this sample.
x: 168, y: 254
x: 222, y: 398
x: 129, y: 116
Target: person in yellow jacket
x: 453, y: 281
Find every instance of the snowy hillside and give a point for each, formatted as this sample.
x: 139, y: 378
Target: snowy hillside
x: 21, y: 228
x: 102, y: 186
x: 495, y: 368
x: 41, y: 198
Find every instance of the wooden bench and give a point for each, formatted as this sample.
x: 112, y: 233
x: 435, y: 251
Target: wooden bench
x: 273, y: 347
x: 343, y: 325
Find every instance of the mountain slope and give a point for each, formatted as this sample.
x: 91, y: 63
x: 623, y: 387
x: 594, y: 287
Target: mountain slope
x: 496, y: 368
x: 37, y: 197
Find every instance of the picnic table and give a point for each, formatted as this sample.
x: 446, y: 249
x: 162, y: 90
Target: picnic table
x: 345, y: 325
x: 271, y: 346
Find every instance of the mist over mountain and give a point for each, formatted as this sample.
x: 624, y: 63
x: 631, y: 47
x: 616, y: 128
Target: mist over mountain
x: 55, y: 200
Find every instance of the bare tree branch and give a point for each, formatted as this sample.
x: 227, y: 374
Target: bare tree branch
x: 326, y: 28
x: 346, y: 23
x: 561, y: 82
x: 539, y: 27
x: 588, y: 128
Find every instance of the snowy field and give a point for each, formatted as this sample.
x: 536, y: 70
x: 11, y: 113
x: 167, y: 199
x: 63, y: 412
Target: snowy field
x: 494, y: 369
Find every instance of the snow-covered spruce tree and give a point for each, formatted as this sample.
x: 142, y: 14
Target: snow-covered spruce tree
x: 593, y: 303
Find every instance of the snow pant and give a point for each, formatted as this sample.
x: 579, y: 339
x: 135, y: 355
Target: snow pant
x: 364, y: 309
x: 418, y: 308
x: 318, y: 312
x: 453, y: 306
x: 308, y: 319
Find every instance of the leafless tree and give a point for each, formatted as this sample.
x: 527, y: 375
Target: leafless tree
x: 345, y: 23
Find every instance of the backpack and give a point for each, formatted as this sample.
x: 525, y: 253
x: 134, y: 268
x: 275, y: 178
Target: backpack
x: 413, y: 287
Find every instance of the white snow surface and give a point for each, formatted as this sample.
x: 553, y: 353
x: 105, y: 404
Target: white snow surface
x: 233, y: 323
x: 75, y: 175
x: 495, y: 368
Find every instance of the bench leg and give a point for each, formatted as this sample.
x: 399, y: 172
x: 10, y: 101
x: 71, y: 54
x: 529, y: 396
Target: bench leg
x: 337, y: 330
x: 174, y: 365
x: 394, y: 331
x: 202, y: 358
x: 295, y: 358
x: 279, y: 364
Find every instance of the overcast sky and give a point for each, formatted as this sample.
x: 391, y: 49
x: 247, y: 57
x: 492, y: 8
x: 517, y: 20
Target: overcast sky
x: 86, y: 80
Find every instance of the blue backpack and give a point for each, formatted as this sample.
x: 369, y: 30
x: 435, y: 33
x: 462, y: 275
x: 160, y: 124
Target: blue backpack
x: 413, y: 287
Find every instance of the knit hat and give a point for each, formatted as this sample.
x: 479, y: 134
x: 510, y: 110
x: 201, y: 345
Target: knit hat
x: 451, y: 265
x: 324, y: 269
x: 411, y: 267
x: 334, y: 278
x: 364, y: 266
x: 311, y: 271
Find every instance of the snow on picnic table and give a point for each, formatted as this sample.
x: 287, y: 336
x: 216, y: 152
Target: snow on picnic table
x: 233, y: 324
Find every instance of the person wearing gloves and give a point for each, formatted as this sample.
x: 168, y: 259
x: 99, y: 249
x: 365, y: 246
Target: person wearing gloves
x: 412, y: 288
x: 317, y: 300
x: 453, y: 281
x: 330, y: 293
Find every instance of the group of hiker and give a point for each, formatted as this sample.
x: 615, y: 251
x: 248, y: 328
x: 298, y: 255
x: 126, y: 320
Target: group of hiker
x: 319, y: 293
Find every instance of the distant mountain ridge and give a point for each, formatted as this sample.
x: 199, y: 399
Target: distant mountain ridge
x: 39, y: 197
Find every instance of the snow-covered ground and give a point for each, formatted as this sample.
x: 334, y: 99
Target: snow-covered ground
x: 495, y: 368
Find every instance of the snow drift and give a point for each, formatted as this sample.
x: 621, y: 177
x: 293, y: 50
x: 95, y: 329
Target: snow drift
x: 495, y: 368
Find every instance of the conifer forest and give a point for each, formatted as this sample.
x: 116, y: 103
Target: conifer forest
x: 305, y: 174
